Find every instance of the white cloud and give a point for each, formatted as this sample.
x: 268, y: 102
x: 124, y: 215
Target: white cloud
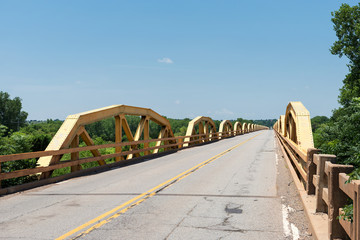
x: 165, y: 60
x: 224, y: 111
x: 177, y: 102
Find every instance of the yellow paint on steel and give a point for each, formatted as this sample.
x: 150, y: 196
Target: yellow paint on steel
x: 282, y: 125
x: 245, y: 128
x: 238, y: 128
x: 75, y: 123
x: 249, y: 127
x: 206, y: 126
x: 297, y: 125
x: 117, y: 211
x: 225, y: 127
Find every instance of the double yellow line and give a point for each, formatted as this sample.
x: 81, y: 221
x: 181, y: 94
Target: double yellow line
x: 117, y: 211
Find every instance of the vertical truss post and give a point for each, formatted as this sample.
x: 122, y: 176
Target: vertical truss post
x: 201, y: 131
x: 161, y: 135
x: 118, y: 135
x: 146, y: 134
x: 206, y: 130
x: 166, y: 142
x: 75, y: 155
x: 140, y: 129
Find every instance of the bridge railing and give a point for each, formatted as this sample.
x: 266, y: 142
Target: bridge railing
x: 66, y: 141
x: 178, y: 144
x: 322, y: 178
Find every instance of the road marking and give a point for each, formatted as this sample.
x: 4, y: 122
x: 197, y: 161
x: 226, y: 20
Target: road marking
x: 117, y: 211
x: 289, y: 228
x: 295, y: 232
x: 286, y: 223
x: 58, y: 183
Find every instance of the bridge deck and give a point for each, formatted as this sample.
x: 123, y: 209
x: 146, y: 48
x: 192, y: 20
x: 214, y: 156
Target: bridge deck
x: 234, y: 195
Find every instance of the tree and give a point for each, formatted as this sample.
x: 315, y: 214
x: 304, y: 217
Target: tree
x: 317, y: 121
x: 347, y: 27
x: 11, y: 115
x: 16, y: 143
x: 341, y: 134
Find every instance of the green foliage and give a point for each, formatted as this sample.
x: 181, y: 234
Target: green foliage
x: 41, y: 133
x: 244, y: 120
x: 354, y: 175
x: 104, y: 129
x: 347, y: 28
x: 267, y: 122
x: 317, y: 121
x: 348, y: 213
x: 179, y: 126
x: 11, y: 115
x: 86, y: 154
x: 341, y: 135
x: 264, y: 122
x: 16, y: 143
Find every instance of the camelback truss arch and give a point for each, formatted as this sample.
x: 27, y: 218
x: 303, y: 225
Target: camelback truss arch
x: 297, y: 126
x: 250, y: 127
x: 207, y: 131
x: 245, y: 128
x: 226, y: 127
x: 73, y: 128
x: 238, y: 128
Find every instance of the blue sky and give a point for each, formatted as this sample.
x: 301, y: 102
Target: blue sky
x: 222, y: 59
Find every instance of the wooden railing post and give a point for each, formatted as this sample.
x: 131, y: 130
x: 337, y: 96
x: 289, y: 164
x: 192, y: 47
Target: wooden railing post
x: 311, y: 166
x: 356, y: 210
x: 337, y: 199
x: 319, y: 180
x: 180, y: 142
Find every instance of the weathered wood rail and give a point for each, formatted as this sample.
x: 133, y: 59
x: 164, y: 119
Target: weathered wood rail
x: 67, y: 142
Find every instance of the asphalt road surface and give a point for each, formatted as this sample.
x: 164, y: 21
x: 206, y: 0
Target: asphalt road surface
x: 236, y: 188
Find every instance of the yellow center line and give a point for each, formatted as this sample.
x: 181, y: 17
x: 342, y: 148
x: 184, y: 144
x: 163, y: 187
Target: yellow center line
x: 142, y: 197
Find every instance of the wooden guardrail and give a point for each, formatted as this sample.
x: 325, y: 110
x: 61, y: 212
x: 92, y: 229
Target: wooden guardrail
x: 322, y: 178
x: 177, y: 143
x: 67, y: 140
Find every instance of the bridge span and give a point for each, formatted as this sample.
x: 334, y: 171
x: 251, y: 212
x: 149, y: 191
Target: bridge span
x: 236, y: 188
x: 226, y: 182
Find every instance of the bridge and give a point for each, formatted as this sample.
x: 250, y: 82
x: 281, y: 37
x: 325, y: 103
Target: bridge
x: 240, y: 181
